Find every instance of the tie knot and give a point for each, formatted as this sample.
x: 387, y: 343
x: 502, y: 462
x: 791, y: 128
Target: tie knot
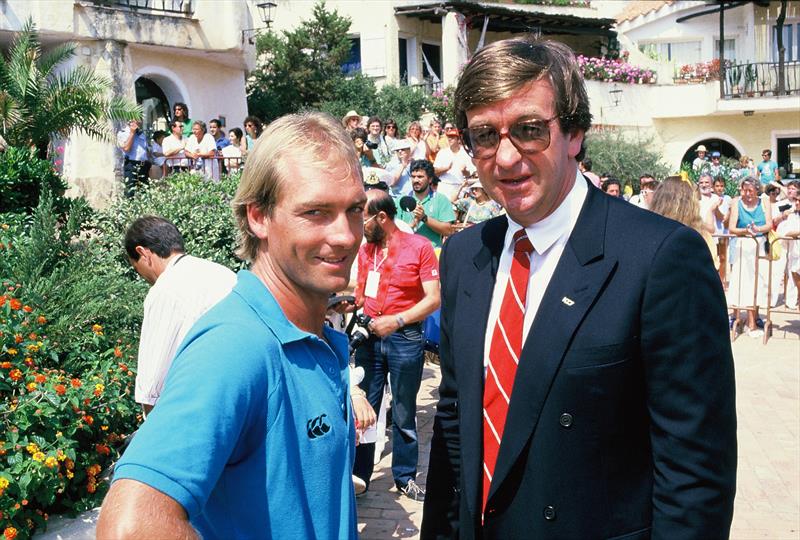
x: 521, y: 242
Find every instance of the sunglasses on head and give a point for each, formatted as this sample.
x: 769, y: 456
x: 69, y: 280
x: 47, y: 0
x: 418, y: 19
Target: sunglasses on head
x: 527, y: 136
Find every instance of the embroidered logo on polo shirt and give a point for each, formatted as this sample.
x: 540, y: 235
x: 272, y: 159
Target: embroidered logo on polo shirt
x: 317, y: 427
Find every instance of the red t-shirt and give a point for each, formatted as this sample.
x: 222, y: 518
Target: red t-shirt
x: 409, y: 262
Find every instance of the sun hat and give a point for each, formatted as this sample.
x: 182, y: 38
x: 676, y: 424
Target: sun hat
x: 700, y: 148
x: 401, y: 144
x: 350, y: 115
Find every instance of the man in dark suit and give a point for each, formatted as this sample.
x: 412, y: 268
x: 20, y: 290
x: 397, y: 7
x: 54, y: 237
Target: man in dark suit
x: 587, y: 379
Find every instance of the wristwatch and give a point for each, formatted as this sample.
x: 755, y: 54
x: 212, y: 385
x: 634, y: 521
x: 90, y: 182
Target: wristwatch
x: 424, y: 218
x: 400, y: 320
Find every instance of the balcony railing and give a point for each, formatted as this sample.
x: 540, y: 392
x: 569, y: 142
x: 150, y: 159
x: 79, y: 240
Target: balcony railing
x: 182, y: 7
x: 759, y: 79
x: 428, y: 87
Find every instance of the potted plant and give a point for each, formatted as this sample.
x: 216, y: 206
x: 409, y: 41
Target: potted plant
x: 734, y: 79
x: 750, y: 80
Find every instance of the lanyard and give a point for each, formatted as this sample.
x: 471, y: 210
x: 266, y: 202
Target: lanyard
x: 375, y: 263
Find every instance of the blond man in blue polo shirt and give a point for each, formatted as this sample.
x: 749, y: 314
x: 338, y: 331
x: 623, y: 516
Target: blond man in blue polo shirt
x: 253, y: 435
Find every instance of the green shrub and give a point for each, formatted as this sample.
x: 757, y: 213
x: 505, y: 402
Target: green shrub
x: 442, y: 105
x: 624, y: 157
x: 403, y: 103
x: 356, y: 93
x: 60, y: 429
x: 23, y: 177
x: 730, y: 172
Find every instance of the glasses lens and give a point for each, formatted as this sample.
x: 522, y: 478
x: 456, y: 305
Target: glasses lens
x: 528, y: 136
x: 481, y: 141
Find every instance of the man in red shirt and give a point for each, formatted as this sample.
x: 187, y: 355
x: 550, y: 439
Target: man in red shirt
x: 398, y: 287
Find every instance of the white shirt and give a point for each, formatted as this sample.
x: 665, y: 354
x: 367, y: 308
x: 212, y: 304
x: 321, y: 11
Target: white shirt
x: 210, y: 167
x: 170, y: 143
x: 186, y: 289
x: 549, y: 237
x: 456, y: 163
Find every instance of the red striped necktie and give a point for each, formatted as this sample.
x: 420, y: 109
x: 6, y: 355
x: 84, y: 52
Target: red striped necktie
x: 504, y: 355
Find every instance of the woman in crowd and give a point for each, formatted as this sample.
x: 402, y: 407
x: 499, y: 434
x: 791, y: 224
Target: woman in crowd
x: 680, y: 200
x: 202, y: 148
x: 350, y: 121
x: 751, y: 219
x: 252, y: 128
x: 435, y: 140
x: 476, y: 207
x: 233, y: 153
x: 365, y: 157
x: 414, y: 135
x: 390, y: 132
x: 791, y: 229
x: 376, y: 142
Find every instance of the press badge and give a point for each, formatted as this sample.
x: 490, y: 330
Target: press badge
x: 371, y: 287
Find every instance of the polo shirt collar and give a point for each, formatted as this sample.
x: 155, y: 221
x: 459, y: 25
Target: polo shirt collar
x: 545, y: 233
x: 256, y: 294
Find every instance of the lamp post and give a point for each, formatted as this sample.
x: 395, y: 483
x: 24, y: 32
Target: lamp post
x: 265, y: 12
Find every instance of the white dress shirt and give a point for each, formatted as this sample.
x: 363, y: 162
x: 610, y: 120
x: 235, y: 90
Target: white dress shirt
x: 549, y: 237
x: 186, y: 289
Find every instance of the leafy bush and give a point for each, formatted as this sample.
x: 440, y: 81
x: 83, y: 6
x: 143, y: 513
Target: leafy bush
x: 23, y: 177
x: 442, y: 105
x: 403, y: 103
x: 730, y: 171
x: 61, y: 429
x: 624, y: 157
x: 356, y: 93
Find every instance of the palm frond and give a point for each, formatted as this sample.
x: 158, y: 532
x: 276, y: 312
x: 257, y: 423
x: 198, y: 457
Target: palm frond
x: 10, y: 112
x: 60, y: 53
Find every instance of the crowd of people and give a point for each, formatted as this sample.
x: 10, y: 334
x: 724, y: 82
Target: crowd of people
x: 560, y: 307
x: 191, y: 145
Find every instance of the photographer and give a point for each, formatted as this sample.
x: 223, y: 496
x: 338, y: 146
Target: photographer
x: 398, y: 287
x: 133, y: 143
x: 377, y: 143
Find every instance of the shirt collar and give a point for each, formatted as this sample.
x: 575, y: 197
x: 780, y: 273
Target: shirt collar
x: 559, y: 224
x: 258, y: 296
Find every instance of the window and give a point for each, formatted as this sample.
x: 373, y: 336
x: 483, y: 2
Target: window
x: 682, y: 52
x: 791, y: 42
x: 730, y: 49
x: 353, y: 62
x: 402, y: 49
x: 432, y: 62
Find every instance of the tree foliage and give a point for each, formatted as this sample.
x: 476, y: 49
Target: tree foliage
x: 40, y: 100
x: 624, y: 157
x: 299, y: 68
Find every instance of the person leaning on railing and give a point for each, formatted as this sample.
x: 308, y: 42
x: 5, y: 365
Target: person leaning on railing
x: 751, y: 216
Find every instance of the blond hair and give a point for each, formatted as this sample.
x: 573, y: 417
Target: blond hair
x: 678, y: 200
x: 313, y: 139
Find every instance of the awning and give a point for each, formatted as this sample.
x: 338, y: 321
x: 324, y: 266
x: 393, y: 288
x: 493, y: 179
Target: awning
x: 510, y: 18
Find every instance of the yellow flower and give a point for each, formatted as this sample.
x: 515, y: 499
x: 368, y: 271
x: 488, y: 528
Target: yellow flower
x: 70, y: 474
x: 31, y: 386
x: 38, y: 456
x: 33, y: 347
x: 59, y: 434
x: 97, y: 329
x: 32, y: 448
x: 3, y: 483
x: 51, y: 462
x: 12, y: 351
x: 61, y: 455
x: 104, y: 428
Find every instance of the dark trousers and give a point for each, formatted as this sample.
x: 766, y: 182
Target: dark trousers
x: 400, y: 355
x: 135, y: 173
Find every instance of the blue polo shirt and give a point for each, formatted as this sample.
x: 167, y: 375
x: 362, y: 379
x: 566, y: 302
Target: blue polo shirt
x: 253, y: 434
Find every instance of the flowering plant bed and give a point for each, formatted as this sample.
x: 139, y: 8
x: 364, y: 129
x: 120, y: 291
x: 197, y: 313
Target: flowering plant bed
x: 699, y: 73
x: 615, y: 70
x: 60, y: 430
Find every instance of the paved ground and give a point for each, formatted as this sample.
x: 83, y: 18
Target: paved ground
x: 768, y: 403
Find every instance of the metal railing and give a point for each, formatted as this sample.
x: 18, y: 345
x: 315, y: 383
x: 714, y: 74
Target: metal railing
x: 183, y: 7
x: 428, y: 87
x: 759, y: 79
x: 211, y: 167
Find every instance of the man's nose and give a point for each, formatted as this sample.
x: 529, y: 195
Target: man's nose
x: 507, y: 154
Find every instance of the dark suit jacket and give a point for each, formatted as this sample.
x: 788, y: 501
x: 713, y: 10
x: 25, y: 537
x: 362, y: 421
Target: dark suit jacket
x: 622, y: 421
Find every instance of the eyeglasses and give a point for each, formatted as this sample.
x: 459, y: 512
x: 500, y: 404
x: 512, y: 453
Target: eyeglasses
x: 370, y: 219
x: 391, y: 127
x: 528, y: 136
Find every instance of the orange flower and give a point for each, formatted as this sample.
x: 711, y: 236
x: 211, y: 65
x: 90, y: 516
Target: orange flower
x: 3, y: 299
x: 76, y: 383
x: 39, y: 378
x: 27, y: 309
x: 32, y: 336
x: 50, y: 462
x: 29, y: 361
x: 69, y: 464
x: 10, y: 533
x: 94, y: 470
x: 15, y: 304
x: 31, y: 386
x: 88, y: 419
x: 117, y: 352
x: 15, y: 374
x: 102, y: 449
x: 18, y: 338
x: 6, y: 365
x: 98, y: 390
x: 41, y: 319
x: 91, y: 487
x: 60, y: 389
x: 123, y: 367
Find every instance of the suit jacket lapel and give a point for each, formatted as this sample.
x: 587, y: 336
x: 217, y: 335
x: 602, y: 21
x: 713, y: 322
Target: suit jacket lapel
x: 474, y: 300
x: 579, y: 277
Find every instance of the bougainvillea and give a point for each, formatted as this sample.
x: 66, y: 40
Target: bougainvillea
x: 615, y: 70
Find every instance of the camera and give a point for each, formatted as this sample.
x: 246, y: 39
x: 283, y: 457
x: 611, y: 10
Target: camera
x: 358, y: 331
x: 784, y: 207
x: 371, y: 145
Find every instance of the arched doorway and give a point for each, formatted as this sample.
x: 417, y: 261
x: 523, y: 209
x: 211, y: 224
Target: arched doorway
x: 722, y: 146
x: 155, y: 107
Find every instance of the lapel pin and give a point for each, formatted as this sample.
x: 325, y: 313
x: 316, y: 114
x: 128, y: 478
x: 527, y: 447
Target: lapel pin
x: 568, y: 301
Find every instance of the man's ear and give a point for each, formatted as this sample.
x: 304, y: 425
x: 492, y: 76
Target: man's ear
x: 258, y: 220
x: 575, y: 141
x: 143, y: 252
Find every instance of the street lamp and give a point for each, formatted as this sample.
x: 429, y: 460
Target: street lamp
x: 265, y: 10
